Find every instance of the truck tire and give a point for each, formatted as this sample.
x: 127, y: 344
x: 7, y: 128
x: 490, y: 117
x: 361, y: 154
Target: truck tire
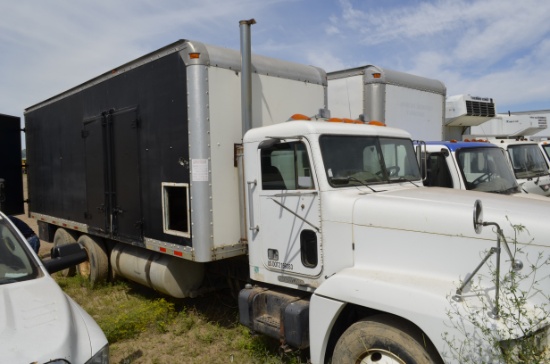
x: 96, y: 269
x: 383, y: 339
x: 63, y: 237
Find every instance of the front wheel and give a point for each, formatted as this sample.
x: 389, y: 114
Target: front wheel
x: 384, y: 340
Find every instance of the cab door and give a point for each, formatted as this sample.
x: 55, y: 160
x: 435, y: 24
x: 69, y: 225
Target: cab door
x: 289, y: 226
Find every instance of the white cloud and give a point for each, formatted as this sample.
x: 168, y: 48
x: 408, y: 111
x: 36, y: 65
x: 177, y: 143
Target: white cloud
x: 48, y: 47
x: 332, y: 29
x: 490, y: 46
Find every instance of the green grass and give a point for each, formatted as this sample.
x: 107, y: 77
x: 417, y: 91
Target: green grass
x: 143, y: 326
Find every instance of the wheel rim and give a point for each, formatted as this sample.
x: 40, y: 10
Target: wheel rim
x: 379, y: 356
x: 84, y: 269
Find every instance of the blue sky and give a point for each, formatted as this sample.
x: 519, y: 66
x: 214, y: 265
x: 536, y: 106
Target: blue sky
x: 492, y: 48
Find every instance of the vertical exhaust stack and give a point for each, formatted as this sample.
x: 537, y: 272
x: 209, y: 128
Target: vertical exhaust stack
x: 246, y: 74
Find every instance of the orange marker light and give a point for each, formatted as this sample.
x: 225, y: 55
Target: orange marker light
x: 300, y: 117
x: 194, y: 55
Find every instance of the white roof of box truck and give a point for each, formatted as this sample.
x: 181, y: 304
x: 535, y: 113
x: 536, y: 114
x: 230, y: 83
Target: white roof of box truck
x: 193, y: 53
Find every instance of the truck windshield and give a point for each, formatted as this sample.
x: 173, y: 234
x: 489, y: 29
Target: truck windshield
x: 527, y: 160
x: 357, y: 160
x: 487, y: 170
x: 546, y: 149
x: 16, y: 263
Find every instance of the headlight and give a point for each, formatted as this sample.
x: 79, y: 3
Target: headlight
x: 545, y: 188
x: 101, y: 357
x: 535, y: 346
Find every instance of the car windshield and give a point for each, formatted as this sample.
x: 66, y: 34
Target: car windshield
x: 487, y: 170
x: 527, y: 160
x: 357, y: 160
x: 16, y: 262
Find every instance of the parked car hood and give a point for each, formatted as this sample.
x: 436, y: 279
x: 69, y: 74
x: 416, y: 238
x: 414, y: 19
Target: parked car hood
x: 40, y: 323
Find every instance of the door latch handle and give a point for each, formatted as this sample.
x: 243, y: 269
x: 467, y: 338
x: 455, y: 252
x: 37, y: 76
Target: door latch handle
x: 251, y: 185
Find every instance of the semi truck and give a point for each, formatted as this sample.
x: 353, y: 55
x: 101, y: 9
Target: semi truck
x: 325, y: 219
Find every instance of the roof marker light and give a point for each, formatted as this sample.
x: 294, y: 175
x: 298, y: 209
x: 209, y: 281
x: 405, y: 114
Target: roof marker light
x: 377, y: 75
x: 194, y: 55
x: 376, y: 123
x: 299, y: 117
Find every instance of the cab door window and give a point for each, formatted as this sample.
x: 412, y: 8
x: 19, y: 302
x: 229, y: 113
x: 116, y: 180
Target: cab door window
x: 438, y: 173
x: 285, y: 166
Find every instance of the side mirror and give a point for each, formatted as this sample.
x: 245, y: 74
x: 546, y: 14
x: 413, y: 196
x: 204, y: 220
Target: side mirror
x: 478, y: 216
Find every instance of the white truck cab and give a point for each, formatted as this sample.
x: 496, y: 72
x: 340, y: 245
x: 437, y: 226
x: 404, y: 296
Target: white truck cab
x: 288, y: 172
x: 529, y: 165
x: 476, y: 166
x: 346, y: 243
x: 545, y: 147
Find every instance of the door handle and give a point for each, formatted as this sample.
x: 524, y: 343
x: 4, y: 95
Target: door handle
x: 251, y: 185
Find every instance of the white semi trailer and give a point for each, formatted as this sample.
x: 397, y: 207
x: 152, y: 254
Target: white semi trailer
x: 343, y: 250
x: 511, y: 126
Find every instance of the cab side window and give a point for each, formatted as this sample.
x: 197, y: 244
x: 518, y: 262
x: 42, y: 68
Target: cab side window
x: 438, y: 171
x: 285, y: 166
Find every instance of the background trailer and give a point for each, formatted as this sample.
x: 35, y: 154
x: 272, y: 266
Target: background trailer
x: 11, y: 179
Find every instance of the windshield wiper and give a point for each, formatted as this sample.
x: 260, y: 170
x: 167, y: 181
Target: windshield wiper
x: 403, y: 179
x: 346, y: 180
x: 508, y: 191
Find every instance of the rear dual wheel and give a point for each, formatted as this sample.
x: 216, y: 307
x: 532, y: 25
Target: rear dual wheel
x: 60, y: 238
x: 383, y: 339
x: 96, y: 268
